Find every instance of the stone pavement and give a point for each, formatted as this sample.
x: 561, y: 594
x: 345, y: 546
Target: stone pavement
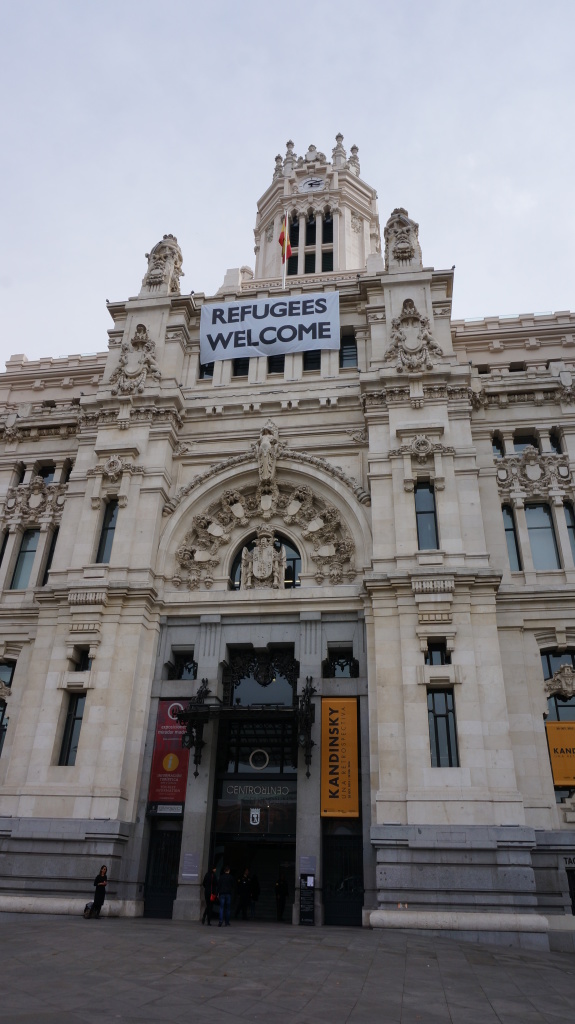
x: 64, y: 970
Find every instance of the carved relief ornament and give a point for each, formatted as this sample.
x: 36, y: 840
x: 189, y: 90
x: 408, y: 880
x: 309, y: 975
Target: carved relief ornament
x: 35, y: 501
x: 412, y: 345
x: 164, y: 266
x: 401, y: 235
x: 533, y: 475
x: 137, y: 362
x: 562, y: 684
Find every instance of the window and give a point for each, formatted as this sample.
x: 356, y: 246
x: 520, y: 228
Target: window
x: 542, y: 537
x: 76, y: 705
x: 348, y: 350
x: 241, y: 367
x: 570, y: 519
x: 67, y: 472
x: 292, y: 266
x: 83, y: 662
x: 25, y: 560
x: 523, y: 441
x: 511, y: 538
x: 497, y: 446
x: 51, y: 550
x: 555, y: 442
x: 340, y: 664
x: 559, y: 709
x: 312, y: 359
x: 276, y: 364
x: 517, y: 367
x: 437, y: 653
x: 108, y: 530
x: 442, y: 735
x: 6, y: 674
x: 206, y: 371
x: 309, y: 263
x: 310, y: 231
x: 426, y: 517
x: 293, y: 563
x: 3, y: 544
x: 183, y: 666
x: 327, y: 261
x: 20, y: 473
x: 47, y: 473
x: 294, y: 232
x: 327, y: 236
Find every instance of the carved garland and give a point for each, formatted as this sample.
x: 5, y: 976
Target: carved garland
x: 320, y: 523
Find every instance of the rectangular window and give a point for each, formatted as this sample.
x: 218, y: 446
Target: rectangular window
x: 497, y: 446
x: 206, y: 371
x: 241, y: 367
x: 542, y: 537
x: 51, y: 551
x: 442, y: 734
x: 523, y: 441
x: 25, y: 560
x: 3, y: 544
x: 292, y: 266
x: 108, y: 530
x: 276, y: 364
x: 312, y: 359
x: 327, y: 261
x: 570, y: 519
x: 426, y: 518
x: 327, y: 236
x: 437, y: 653
x: 348, y: 351
x: 309, y: 263
x: 84, y: 662
x: 310, y: 231
x: 47, y: 473
x: 77, y: 702
x: 294, y: 233
x: 511, y: 538
x: 6, y: 674
x: 183, y: 666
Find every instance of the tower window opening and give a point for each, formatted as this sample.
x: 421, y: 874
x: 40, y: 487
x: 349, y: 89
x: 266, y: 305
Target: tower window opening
x: 309, y: 263
x: 327, y: 237
x: 310, y: 230
x: 327, y: 261
x: 294, y: 232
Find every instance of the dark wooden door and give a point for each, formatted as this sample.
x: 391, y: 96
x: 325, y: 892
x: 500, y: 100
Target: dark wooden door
x: 162, y: 874
x: 343, y: 880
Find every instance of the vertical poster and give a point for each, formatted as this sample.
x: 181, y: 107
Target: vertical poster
x: 170, y: 760
x: 561, y: 740
x: 339, y: 758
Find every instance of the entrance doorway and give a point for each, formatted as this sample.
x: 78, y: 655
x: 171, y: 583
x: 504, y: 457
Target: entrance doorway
x: 343, y: 880
x: 267, y: 861
x: 162, y: 874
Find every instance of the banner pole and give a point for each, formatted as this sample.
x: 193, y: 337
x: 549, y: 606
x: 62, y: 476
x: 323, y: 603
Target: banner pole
x: 284, y: 264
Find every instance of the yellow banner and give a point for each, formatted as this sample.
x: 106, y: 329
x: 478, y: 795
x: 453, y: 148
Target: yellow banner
x: 561, y: 740
x: 339, y: 758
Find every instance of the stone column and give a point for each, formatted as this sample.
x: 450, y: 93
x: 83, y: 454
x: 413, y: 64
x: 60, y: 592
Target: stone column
x: 308, y: 829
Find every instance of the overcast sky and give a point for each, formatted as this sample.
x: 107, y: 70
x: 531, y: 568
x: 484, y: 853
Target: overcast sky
x: 123, y: 120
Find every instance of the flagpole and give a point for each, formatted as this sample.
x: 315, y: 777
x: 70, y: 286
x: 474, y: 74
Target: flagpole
x: 284, y: 248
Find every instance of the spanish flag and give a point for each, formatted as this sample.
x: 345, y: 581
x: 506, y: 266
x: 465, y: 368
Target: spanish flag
x: 284, y: 240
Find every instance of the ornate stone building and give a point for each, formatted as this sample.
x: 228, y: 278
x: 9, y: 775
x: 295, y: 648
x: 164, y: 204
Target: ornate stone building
x: 203, y: 564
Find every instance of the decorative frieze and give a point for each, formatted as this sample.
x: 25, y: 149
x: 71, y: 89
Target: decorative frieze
x: 420, y: 448
x: 81, y: 597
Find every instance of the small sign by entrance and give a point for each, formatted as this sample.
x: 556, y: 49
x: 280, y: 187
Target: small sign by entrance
x: 307, y: 899
x: 191, y: 867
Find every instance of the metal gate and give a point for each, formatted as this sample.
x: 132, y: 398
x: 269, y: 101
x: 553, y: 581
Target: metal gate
x: 162, y: 874
x: 342, y: 880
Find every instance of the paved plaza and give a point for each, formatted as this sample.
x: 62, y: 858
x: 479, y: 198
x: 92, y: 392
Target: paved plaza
x: 64, y: 970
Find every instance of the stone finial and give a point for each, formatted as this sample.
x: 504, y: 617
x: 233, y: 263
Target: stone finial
x: 278, y: 169
x: 353, y: 161
x: 338, y: 153
x: 164, y: 268
x: 402, y: 248
x: 290, y: 158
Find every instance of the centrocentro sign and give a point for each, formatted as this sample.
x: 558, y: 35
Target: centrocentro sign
x: 267, y: 327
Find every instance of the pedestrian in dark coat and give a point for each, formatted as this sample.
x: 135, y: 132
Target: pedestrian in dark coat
x: 210, y: 884
x: 225, y: 892
x: 100, y: 883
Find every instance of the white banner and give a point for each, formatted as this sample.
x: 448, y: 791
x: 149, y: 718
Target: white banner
x: 268, y: 327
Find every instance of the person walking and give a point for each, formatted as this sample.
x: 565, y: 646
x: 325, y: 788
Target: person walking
x: 244, y: 890
x: 100, y: 883
x: 225, y: 892
x: 210, y: 884
x: 281, y: 896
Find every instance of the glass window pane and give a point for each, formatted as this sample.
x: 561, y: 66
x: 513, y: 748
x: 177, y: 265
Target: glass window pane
x: 426, y: 532
x: 108, y: 530
x: 542, y: 537
x: 570, y: 519
x: 25, y: 560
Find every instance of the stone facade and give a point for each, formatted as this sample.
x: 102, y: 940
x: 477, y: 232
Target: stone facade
x: 201, y: 466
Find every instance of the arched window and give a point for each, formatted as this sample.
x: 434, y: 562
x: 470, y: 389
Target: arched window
x: 293, y: 563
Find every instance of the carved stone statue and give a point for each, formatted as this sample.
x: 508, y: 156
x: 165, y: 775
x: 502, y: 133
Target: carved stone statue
x: 137, y: 362
x: 164, y: 268
x: 265, y: 565
x: 402, y: 246
x: 266, y: 451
